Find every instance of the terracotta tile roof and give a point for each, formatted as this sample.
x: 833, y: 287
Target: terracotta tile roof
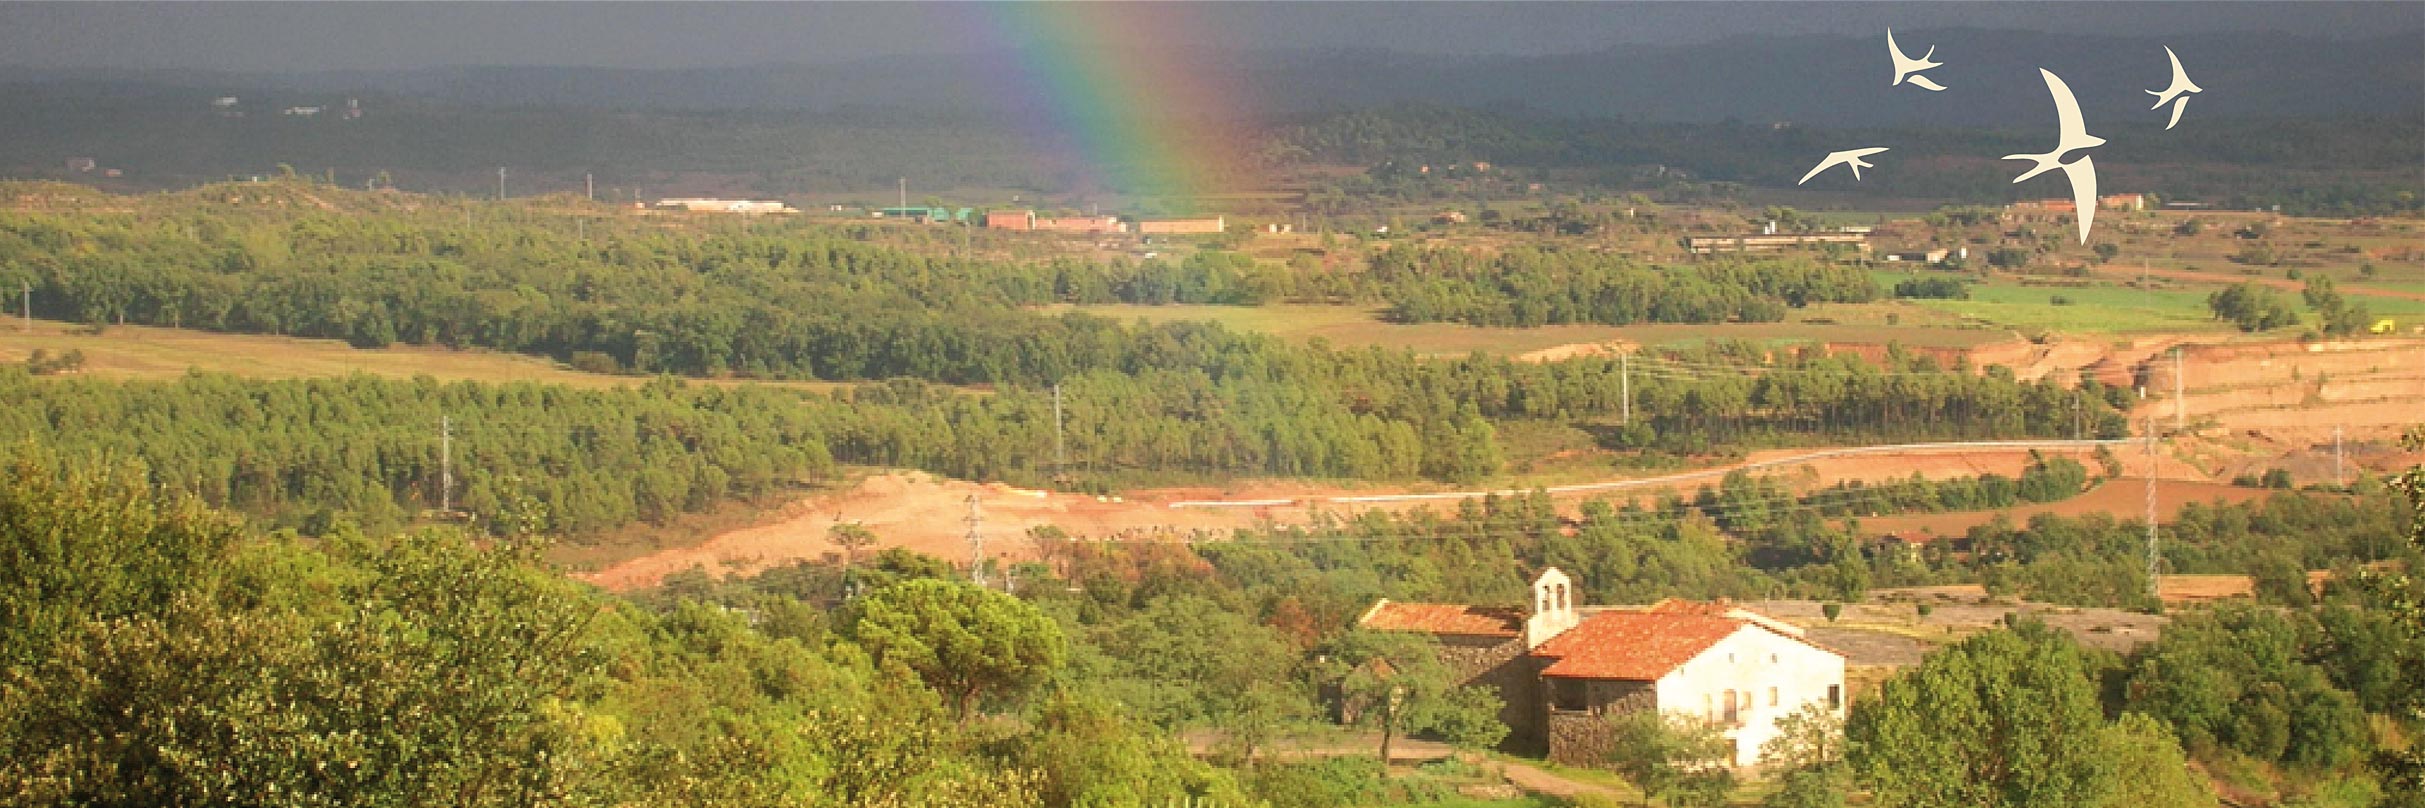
x: 1639, y: 646
x: 1444, y: 618
x: 1710, y: 608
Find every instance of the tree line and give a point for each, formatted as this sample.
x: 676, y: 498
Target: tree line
x: 1533, y: 287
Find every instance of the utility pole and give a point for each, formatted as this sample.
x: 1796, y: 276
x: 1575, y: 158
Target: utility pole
x: 976, y: 543
x: 589, y: 186
x: 26, y: 288
x: 500, y: 183
x: 2338, y: 459
x: 905, y: 192
x: 2155, y: 588
x: 2180, y: 394
x: 1625, y: 382
x: 446, y: 467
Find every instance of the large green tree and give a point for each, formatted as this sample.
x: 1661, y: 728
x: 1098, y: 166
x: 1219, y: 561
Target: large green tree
x: 964, y: 642
x: 2403, y: 771
x: 2006, y: 719
x: 91, y: 540
x: 1676, y: 758
x: 1396, y: 683
x: 2238, y: 678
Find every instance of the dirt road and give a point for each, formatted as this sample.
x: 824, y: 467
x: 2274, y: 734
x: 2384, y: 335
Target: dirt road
x: 929, y: 514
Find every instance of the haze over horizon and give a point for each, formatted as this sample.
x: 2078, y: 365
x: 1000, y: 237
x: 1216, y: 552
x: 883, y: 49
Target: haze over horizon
x: 318, y: 37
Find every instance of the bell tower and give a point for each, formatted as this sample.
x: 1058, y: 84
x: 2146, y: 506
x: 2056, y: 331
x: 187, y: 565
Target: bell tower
x: 1552, y: 609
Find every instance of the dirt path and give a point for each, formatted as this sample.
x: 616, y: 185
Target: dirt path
x: 928, y: 514
x: 2126, y: 496
x: 1539, y: 781
x: 1521, y: 774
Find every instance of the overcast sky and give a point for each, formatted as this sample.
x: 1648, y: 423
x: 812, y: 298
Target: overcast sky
x: 385, y: 36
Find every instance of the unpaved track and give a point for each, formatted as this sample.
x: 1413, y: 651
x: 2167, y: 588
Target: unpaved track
x: 928, y: 514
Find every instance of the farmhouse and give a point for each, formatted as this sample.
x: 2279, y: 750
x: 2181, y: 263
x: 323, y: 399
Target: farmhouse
x: 1020, y: 220
x: 2044, y: 206
x: 1182, y: 227
x: 705, y: 205
x: 1562, y: 669
x: 2122, y: 202
x: 1930, y: 256
x: 1087, y: 225
x: 1772, y: 242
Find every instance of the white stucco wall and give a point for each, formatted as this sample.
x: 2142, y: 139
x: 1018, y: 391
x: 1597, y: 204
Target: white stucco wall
x: 1752, y: 661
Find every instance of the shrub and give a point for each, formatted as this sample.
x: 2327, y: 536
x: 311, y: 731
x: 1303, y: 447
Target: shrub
x: 1832, y: 610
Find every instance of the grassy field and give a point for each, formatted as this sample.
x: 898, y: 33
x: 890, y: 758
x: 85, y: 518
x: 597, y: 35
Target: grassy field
x: 142, y: 352
x: 1350, y: 326
x: 2097, y: 308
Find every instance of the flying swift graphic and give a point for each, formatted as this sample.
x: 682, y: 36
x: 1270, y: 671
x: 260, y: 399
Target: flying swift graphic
x: 1907, y: 66
x: 2178, y: 94
x: 1850, y: 157
x: 2070, y: 135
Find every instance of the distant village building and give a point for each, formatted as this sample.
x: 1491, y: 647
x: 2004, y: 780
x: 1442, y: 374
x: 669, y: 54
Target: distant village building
x: 1449, y: 217
x: 2044, y: 206
x: 1562, y: 669
x: 302, y: 112
x: 709, y: 205
x: 2122, y: 202
x: 925, y: 215
x: 1936, y: 256
x: 1772, y: 242
x: 1019, y: 220
x: 1181, y: 227
x: 1082, y: 225
x: 81, y: 165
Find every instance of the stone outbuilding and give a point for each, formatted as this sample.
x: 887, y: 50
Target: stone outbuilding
x: 1562, y: 669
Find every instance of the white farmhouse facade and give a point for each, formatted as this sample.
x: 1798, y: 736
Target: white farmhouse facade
x: 1748, y: 681
x: 1563, y: 669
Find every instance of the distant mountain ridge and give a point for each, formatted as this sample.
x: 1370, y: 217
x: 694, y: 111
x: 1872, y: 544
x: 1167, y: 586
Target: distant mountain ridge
x: 1815, y: 80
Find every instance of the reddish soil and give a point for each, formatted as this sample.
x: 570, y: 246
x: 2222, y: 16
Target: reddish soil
x: 2251, y: 406
x: 928, y: 514
x: 2119, y: 497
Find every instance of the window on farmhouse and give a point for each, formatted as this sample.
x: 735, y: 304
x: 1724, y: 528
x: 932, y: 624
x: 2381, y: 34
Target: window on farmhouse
x: 1772, y: 697
x: 1835, y: 697
x: 1734, y: 708
x: 1568, y: 695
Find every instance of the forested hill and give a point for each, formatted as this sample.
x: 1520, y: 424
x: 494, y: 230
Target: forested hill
x: 1751, y: 110
x: 803, y: 299
x: 1825, y: 80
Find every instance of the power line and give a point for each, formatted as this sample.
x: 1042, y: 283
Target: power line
x: 446, y: 466
x: 976, y: 542
x: 2154, y: 583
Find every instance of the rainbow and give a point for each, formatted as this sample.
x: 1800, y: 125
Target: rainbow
x: 1148, y: 118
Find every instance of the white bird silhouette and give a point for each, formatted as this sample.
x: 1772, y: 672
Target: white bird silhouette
x: 2070, y: 135
x: 1907, y: 66
x: 2181, y: 89
x: 1850, y: 157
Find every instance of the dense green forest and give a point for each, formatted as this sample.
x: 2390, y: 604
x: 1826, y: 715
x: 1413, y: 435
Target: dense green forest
x: 1530, y: 288
x: 162, y: 654
x: 1147, y: 403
